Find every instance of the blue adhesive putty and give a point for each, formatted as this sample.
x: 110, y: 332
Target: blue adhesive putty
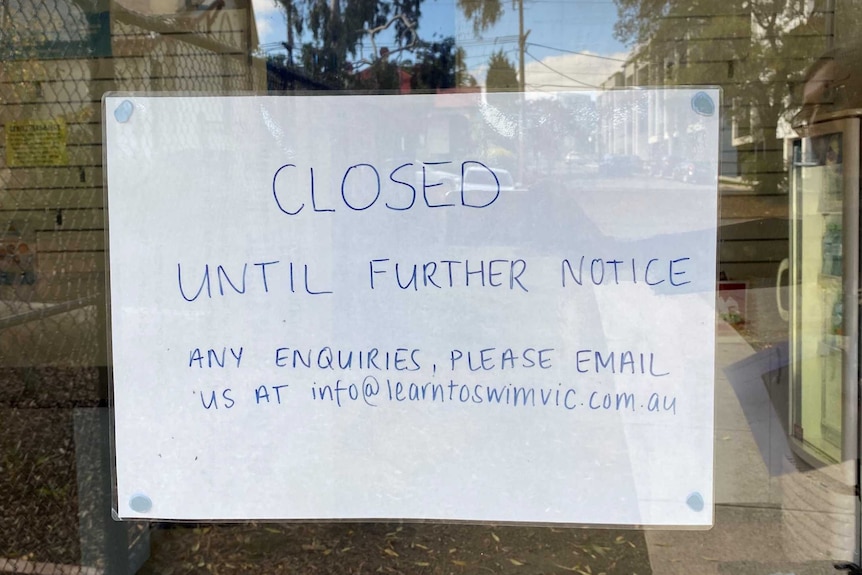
x: 702, y: 104
x: 124, y: 111
x: 695, y: 501
x: 140, y: 503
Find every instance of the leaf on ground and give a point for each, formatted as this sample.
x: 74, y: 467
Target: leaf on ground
x: 600, y: 550
x: 515, y: 562
x: 422, y: 563
x: 459, y: 563
x: 494, y: 536
x: 390, y: 552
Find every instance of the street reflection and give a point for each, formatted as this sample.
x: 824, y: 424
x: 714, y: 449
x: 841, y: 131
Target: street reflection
x: 779, y: 65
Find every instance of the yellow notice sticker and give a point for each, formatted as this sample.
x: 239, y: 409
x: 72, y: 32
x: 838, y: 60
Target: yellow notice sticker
x: 36, y: 143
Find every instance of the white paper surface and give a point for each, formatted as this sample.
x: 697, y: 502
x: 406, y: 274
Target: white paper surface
x: 274, y: 356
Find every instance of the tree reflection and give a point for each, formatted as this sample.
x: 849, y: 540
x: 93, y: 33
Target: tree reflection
x: 756, y: 52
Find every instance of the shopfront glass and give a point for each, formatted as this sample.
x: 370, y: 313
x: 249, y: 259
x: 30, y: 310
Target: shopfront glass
x: 571, y: 104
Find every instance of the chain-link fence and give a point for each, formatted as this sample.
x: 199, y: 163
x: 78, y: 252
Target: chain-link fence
x: 57, y: 59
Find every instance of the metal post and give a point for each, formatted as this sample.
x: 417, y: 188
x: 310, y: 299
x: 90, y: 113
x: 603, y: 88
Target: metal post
x: 522, y: 46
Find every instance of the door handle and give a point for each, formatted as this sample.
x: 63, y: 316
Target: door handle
x: 783, y: 267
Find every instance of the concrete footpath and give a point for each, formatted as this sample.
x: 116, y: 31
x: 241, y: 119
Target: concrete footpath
x: 774, y: 515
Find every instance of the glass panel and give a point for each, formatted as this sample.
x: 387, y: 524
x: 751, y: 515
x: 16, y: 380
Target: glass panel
x: 818, y: 296
x: 785, y: 407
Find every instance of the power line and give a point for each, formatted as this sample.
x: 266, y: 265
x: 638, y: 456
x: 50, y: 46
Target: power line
x: 578, y: 53
x: 543, y: 86
x: 560, y: 73
x: 570, y: 2
x: 486, y: 55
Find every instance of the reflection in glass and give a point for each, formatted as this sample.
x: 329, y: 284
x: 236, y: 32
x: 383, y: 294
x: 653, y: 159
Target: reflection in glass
x: 820, y: 340
x: 58, y: 57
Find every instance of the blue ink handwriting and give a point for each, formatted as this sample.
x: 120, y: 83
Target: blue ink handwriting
x: 598, y: 271
x: 491, y: 358
x: 362, y: 187
x: 239, y: 283
x: 617, y: 362
x: 450, y: 273
x: 399, y: 359
x: 214, y: 357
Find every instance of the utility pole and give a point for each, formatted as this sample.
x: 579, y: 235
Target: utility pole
x: 522, y: 46
x: 522, y: 85
x: 290, y: 33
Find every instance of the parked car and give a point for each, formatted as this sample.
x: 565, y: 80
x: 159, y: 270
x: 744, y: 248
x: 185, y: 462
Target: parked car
x: 664, y: 166
x: 574, y: 158
x: 620, y: 165
x: 447, y: 188
x: 478, y: 178
x: 581, y: 164
x: 441, y: 184
x: 694, y: 172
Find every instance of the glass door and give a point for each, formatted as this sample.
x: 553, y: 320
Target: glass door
x: 824, y: 256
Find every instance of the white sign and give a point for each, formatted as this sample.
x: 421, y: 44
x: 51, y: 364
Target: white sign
x: 330, y: 307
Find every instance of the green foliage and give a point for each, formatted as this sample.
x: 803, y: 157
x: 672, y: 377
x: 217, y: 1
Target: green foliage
x: 483, y: 13
x: 334, y: 32
x: 757, y: 51
x: 382, y: 75
x: 502, y: 76
x: 440, y: 65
